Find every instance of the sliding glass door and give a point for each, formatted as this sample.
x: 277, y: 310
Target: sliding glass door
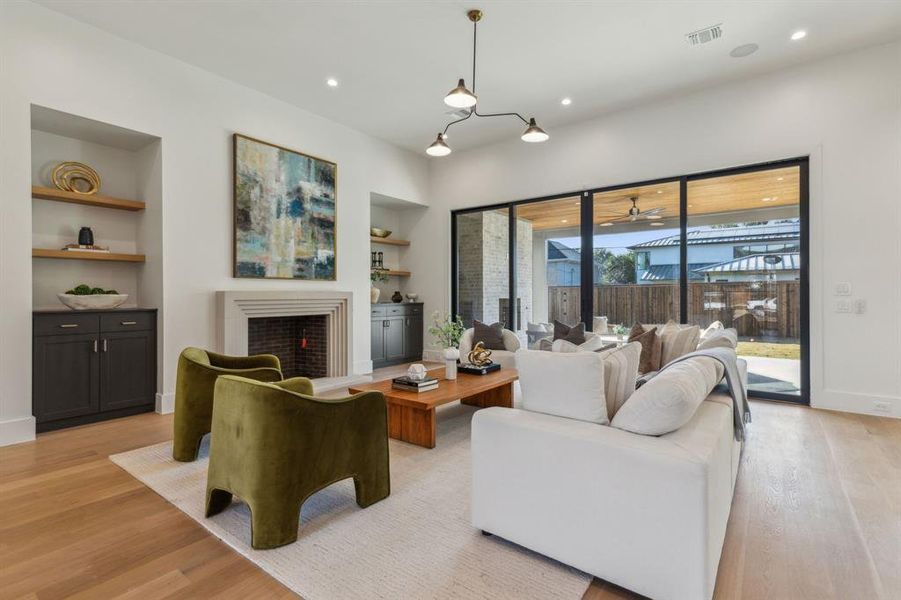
x: 728, y: 246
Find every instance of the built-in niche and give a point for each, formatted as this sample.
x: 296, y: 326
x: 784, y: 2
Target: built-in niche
x: 397, y: 216
x: 125, y: 214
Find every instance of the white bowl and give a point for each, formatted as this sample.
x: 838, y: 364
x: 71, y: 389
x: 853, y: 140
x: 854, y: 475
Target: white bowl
x: 93, y: 301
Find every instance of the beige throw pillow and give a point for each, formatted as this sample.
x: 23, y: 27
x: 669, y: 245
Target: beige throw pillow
x: 620, y: 374
x: 677, y: 341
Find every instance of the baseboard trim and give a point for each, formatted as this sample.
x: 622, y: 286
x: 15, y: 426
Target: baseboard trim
x: 857, y: 403
x: 16, y: 431
x: 165, y: 403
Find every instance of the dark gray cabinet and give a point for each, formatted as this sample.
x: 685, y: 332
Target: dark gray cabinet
x: 92, y: 365
x: 396, y: 333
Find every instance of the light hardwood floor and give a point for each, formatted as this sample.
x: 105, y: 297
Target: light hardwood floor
x: 817, y: 514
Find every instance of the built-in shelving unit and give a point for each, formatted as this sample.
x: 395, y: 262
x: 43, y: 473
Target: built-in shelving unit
x: 388, y: 241
x: 45, y: 193
x: 398, y: 273
x: 73, y: 255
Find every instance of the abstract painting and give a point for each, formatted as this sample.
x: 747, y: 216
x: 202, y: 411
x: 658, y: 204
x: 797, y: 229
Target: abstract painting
x: 284, y: 213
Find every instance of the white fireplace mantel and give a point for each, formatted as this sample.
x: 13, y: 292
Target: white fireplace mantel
x: 235, y: 308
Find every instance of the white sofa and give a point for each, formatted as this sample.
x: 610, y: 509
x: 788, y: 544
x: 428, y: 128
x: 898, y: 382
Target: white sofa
x: 505, y: 358
x: 646, y: 513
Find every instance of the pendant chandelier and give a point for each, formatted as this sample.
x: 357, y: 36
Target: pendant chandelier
x: 462, y: 98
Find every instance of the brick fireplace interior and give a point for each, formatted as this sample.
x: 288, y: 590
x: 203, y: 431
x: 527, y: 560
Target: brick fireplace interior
x: 284, y: 337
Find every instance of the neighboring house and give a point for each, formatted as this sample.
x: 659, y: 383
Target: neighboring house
x: 724, y: 254
x: 564, y: 264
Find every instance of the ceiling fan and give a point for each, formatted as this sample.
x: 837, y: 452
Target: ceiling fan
x: 634, y: 214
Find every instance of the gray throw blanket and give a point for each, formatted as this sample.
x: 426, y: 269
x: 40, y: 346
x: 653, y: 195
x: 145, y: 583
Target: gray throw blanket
x: 741, y: 412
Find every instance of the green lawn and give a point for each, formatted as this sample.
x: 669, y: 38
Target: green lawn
x: 769, y: 350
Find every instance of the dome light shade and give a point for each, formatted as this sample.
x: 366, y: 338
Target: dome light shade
x: 460, y: 97
x: 438, y: 147
x: 534, y: 133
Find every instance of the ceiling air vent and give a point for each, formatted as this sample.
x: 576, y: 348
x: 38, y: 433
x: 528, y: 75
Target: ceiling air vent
x: 706, y: 35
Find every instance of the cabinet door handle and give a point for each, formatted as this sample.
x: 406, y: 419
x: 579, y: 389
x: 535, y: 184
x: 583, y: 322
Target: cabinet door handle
x: 95, y: 346
x: 129, y: 322
x: 386, y: 323
x: 69, y: 325
x: 104, y: 345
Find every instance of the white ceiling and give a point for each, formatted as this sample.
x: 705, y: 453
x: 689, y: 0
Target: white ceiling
x: 395, y: 60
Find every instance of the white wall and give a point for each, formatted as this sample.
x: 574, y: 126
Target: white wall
x: 844, y: 112
x: 53, y: 61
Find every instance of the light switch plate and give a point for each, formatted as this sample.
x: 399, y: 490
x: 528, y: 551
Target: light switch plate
x: 842, y: 288
x: 842, y: 306
x: 860, y: 306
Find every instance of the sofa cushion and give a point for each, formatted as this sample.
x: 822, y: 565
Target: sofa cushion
x: 711, y: 329
x: 677, y: 341
x: 565, y: 384
x: 651, y: 347
x: 669, y: 400
x: 491, y: 336
x: 620, y: 373
x: 720, y: 338
x: 575, y: 334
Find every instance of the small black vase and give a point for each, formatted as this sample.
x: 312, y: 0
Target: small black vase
x: 85, y: 237
x: 396, y: 297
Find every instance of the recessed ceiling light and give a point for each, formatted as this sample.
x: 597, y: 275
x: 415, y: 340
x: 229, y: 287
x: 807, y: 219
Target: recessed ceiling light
x: 780, y: 178
x: 563, y: 220
x: 331, y: 82
x: 767, y: 199
x: 799, y: 35
x: 659, y: 191
x: 744, y: 50
x: 653, y: 217
x: 608, y: 224
x: 656, y: 224
x: 566, y: 101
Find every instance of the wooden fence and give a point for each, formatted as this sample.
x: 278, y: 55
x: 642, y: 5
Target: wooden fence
x: 753, y: 312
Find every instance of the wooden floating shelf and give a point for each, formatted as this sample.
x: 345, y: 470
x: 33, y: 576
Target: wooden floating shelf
x: 45, y: 193
x: 396, y: 273
x: 388, y: 241
x: 108, y: 256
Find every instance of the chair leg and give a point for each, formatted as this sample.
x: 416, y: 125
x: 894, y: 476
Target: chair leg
x: 273, y: 525
x: 216, y: 501
x: 186, y: 444
x: 372, y: 487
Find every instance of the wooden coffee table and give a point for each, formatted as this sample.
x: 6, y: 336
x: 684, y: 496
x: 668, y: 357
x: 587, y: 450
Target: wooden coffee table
x: 411, y: 415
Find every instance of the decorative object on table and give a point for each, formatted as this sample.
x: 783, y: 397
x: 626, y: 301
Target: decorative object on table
x: 285, y: 212
x: 476, y: 370
x: 379, y: 233
x: 479, y: 356
x: 447, y: 331
x: 85, y: 237
x: 462, y: 98
x: 85, y: 297
x: 376, y: 275
x: 76, y: 177
x: 417, y: 372
x: 411, y: 298
x: 396, y: 297
x: 414, y: 385
x: 621, y: 331
x: 451, y: 356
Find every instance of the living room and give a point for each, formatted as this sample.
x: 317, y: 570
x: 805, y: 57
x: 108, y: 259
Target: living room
x: 732, y: 171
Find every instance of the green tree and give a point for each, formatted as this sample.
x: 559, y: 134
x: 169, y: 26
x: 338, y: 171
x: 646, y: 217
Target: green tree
x: 619, y: 268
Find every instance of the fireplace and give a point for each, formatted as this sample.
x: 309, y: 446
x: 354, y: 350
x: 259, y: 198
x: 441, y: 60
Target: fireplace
x: 299, y: 342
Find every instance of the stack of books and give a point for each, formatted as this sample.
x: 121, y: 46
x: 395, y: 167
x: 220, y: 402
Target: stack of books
x: 85, y: 248
x: 414, y: 385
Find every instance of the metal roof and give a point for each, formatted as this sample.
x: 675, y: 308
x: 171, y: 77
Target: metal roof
x: 755, y: 263
x: 726, y: 235
x: 558, y: 251
x: 671, y: 272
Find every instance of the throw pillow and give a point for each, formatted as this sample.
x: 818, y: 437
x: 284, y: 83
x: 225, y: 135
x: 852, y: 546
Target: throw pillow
x: 677, y: 341
x: 575, y: 334
x: 620, y: 374
x: 669, y: 400
x: 565, y: 384
x: 651, y: 347
x: 491, y: 336
x: 564, y: 346
x: 722, y: 338
x: 712, y: 329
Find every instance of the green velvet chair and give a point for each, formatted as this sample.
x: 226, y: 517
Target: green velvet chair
x: 194, y: 384
x: 274, y: 445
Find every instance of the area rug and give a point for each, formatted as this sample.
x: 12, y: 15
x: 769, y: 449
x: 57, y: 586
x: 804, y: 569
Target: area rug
x: 417, y: 543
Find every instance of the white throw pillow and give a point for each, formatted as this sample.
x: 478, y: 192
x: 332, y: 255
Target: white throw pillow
x: 670, y: 399
x: 565, y: 384
x: 712, y: 329
x: 677, y: 341
x: 592, y: 343
x: 620, y: 374
x: 722, y: 338
x: 562, y: 345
